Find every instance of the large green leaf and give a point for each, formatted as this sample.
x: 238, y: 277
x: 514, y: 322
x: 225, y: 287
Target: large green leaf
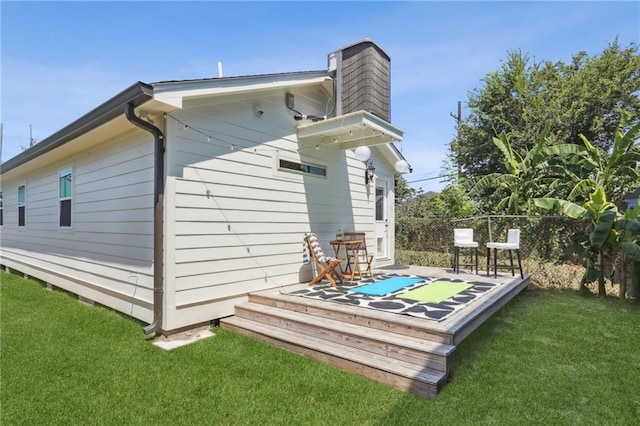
x: 581, y: 189
x: 511, y: 158
x: 580, y: 244
x: 631, y: 249
x: 598, y: 204
x: 629, y: 159
x: 604, y: 225
x: 624, y: 141
x: 494, y: 180
x: 565, y: 150
x: 567, y: 208
x: 534, y: 155
x: 631, y: 226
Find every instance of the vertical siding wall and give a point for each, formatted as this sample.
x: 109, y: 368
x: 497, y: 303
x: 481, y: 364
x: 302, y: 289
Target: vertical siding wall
x: 107, y: 254
x: 239, y: 221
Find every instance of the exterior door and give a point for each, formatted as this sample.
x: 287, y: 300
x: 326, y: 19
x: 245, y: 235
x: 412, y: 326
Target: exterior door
x: 382, y: 219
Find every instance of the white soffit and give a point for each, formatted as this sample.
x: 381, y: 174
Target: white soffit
x: 348, y: 131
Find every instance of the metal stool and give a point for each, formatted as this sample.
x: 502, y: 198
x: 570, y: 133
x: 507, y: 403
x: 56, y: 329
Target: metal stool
x: 463, y: 238
x: 512, y: 244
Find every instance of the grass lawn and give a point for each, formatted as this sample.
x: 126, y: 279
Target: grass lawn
x: 549, y: 357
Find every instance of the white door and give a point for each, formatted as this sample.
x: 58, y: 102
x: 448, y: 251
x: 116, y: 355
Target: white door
x: 382, y: 219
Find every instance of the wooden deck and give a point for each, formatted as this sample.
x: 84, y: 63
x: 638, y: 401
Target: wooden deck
x: 411, y: 354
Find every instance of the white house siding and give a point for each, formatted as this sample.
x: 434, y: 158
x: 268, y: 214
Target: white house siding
x: 235, y: 223
x: 106, y: 255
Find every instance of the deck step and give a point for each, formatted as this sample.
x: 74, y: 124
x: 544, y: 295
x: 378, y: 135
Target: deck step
x: 408, y: 353
x: 383, y: 321
x: 402, y: 375
x: 401, y: 347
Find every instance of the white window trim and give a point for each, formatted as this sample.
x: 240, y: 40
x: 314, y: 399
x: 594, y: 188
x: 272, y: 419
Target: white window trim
x: 21, y: 205
x: 284, y: 172
x: 65, y: 170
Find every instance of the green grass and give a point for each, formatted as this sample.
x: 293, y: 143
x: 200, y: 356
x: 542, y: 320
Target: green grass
x: 549, y: 357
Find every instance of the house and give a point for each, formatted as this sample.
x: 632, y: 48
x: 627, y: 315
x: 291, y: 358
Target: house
x: 631, y: 198
x: 171, y: 201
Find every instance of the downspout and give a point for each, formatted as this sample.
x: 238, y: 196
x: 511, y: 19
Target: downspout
x: 158, y: 213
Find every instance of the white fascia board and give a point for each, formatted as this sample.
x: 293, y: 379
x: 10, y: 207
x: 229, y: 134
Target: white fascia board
x: 174, y: 93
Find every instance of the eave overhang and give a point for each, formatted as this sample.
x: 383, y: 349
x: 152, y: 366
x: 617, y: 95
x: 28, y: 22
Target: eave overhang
x: 348, y: 131
x: 174, y: 93
x: 138, y: 93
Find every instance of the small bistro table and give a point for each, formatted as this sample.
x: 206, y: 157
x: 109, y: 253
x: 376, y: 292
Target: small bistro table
x: 352, y: 250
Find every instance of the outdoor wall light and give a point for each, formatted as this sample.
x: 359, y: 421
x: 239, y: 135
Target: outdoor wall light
x: 369, y: 172
x: 362, y: 153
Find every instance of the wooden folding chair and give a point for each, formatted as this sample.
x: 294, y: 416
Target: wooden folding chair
x: 326, y: 265
x: 364, y: 258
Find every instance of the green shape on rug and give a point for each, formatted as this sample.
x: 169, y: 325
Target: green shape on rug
x: 435, y: 292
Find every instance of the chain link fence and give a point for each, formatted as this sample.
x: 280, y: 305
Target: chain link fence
x: 545, y: 245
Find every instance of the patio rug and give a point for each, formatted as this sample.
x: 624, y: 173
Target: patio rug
x: 386, y: 286
x: 397, y: 302
x: 436, y: 292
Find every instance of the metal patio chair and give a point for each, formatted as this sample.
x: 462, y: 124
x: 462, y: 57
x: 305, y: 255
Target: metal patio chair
x: 463, y: 238
x: 512, y: 244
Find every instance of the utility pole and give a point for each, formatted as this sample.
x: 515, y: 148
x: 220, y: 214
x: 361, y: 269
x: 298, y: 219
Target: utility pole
x: 30, y: 137
x: 454, y: 144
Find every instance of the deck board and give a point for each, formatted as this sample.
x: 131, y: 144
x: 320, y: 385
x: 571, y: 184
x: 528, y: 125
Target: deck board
x: 409, y: 353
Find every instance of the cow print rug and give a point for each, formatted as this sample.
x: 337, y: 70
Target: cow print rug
x: 392, y: 302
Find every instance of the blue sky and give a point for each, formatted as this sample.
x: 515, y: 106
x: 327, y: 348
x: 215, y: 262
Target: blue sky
x: 62, y: 59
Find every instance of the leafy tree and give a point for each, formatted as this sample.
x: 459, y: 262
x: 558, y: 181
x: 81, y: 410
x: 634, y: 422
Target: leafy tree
x: 453, y: 202
x: 607, y: 175
x: 524, y: 178
x: 601, y: 235
x: 616, y: 170
x: 403, y: 192
x: 585, y: 97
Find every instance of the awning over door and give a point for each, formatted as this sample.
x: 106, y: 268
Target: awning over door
x: 348, y: 131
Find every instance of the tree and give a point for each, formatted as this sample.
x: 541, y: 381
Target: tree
x: 525, y: 177
x: 584, y: 97
x: 606, y: 175
x: 615, y: 170
x: 453, y: 202
x: 403, y: 192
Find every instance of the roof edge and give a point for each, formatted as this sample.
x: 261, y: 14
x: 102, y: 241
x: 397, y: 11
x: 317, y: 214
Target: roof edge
x: 138, y: 93
x: 238, y: 79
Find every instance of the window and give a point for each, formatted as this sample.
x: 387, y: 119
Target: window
x: 22, y: 197
x: 1, y: 210
x: 303, y: 168
x: 64, y: 180
x: 380, y: 203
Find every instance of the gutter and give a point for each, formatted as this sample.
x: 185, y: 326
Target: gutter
x: 158, y: 214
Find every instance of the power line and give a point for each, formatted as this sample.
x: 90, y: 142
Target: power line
x: 431, y: 178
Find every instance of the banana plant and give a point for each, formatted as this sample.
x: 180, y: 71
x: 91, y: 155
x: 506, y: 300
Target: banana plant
x: 590, y: 166
x: 606, y: 229
x: 628, y: 235
x: 604, y: 178
x: 591, y: 241
x: 522, y: 178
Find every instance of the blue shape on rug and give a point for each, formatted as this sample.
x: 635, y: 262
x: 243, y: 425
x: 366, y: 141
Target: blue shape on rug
x: 380, y: 288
